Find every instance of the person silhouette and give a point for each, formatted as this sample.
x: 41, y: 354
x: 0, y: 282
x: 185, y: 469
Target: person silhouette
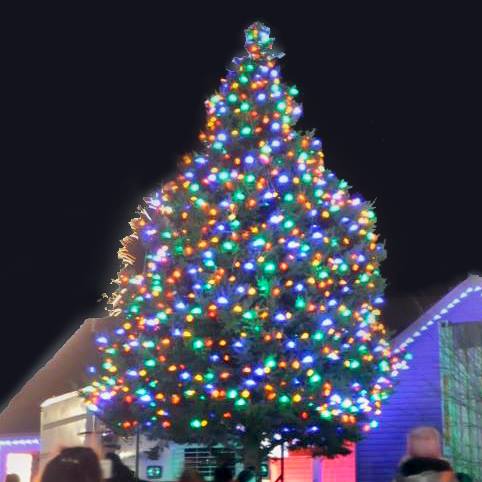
x: 12, y: 478
x: 74, y: 464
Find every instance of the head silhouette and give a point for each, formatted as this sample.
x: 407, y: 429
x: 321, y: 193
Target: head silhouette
x: 190, y: 475
x: 223, y: 474
x: 247, y: 475
x: 424, y: 442
x: 76, y: 464
x: 12, y: 478
x: 119, y: 470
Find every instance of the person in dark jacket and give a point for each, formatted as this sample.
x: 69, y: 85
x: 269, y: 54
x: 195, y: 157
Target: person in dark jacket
x: 120, y: 472
x: 73, y: 464
x: 462, y: 477
x: 424, y: 462
x: 223, y: 473
x: 246, y: 475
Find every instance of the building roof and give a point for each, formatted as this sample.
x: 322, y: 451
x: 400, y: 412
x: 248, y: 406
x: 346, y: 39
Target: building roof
x: 64, y: 372
x: 446, y: 309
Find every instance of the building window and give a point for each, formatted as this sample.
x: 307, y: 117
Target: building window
x: 461, y: 366
x: 205, y: 460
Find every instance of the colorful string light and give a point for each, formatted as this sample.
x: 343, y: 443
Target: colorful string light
x: 259, y: 295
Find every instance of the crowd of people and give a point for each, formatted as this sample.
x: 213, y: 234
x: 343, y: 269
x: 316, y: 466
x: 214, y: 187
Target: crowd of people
x: 423, y: 462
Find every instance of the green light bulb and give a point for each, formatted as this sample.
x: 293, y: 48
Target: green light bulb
x: 197, y: 344
x: 228, y: 246
x: 318, y: 335
x: 269, y: 268
x: 223, y: 176
x: 249, y: 315
x: 307, y: 178
x: 245, y: 131
x: 162, y: 316
x: 288, y: 224
x: 259, y: 242
x: 238, y: 196
x: 195, y: 423
x: 209, y: 263
x: 315, y: 378
x: 281, y: 106
x: 270, y: 362
x: 300, y: 303
x: 384, y: 366
x: 354, y: 364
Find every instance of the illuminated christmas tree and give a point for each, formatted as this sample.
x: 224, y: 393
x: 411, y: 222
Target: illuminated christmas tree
x: 248, y: 304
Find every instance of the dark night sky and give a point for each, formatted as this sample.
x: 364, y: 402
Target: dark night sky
x: 104, y: 102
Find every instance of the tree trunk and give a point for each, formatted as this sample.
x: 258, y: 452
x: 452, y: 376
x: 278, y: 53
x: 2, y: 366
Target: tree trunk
x: 253, y: 458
